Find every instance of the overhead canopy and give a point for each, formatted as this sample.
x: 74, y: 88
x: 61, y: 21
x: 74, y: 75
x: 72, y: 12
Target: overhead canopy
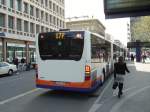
x: 138, y: 44
x: 126, y: 8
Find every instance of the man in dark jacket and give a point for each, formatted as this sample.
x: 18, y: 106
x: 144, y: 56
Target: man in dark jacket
x: 120, y: 69
x: 15, y: 61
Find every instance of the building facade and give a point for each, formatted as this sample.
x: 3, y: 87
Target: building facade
x: 128, y: 33
x: 93, y: 25
x: 21, y: 20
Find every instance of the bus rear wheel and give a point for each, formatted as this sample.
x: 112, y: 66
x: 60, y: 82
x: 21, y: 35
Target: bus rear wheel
x: 104, y: 75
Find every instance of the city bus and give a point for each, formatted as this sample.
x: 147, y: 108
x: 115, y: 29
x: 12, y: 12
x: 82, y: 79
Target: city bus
x: 71, y: 60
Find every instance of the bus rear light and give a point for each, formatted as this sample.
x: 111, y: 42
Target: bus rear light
x: 87, y: 78
x: 87, y: 72
x: 87, y: 69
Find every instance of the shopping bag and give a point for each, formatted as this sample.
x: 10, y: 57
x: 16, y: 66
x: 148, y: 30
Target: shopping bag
x: 115, y: 84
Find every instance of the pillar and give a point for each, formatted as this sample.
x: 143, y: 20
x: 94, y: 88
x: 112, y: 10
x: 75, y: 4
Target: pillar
x: 4, y: 49
x: 138, y: 54
x: 111, y: 50
x: 6, y: 21
x: 27, y: 52
x: 138, y: 51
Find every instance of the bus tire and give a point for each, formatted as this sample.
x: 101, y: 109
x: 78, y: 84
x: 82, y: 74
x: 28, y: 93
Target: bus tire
x: 104, y: 76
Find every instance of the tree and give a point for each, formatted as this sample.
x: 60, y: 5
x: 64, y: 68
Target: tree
x: 140, y: 28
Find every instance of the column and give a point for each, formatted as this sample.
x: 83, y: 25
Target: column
x: 138, y: 54
x: 6, y: 21
x: 112, y: 55
x: 138, y: 51
x: 4, y: 49
x: 27, y: 52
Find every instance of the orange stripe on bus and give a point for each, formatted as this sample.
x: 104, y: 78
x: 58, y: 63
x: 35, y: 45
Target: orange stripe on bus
x: 85, y: 84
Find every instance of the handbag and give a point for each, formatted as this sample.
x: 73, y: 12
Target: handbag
x: 115, y: 84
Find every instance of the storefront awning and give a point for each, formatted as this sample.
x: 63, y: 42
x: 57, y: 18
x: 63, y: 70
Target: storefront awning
x: 17, y: 37
x: 2, y: 34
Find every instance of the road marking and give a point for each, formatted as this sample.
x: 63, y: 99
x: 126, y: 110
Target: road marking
x: 99, y: 98
x: 122, y: 101
x: 18, y: 96
x: 95, y: 106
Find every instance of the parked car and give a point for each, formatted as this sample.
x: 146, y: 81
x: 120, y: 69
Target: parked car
x: 6, y: 68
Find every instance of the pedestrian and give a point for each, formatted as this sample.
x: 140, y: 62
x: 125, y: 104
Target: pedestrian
x: 132, y: 57
x: 128, y: 56
x: 144, y: 58
x: 15, y: 61
x: 23, y: 60
x: 120, y: 69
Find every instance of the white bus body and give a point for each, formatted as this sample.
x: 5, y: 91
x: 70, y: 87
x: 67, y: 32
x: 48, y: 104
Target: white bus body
x: 81, y: 74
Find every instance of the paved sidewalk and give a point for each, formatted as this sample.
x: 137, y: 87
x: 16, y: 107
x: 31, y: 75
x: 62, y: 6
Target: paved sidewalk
x: 145, y: 67
x: 136, y: 92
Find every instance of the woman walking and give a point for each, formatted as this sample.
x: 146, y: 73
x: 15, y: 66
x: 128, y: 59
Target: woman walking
x: 120, y: 69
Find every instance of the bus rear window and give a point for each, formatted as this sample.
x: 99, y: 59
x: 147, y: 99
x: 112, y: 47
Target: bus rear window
x: 61, y: 46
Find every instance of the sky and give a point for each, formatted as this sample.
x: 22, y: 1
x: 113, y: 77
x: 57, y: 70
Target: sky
x: 116, y: 27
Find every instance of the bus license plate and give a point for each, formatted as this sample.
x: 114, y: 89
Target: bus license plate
x: 60, y: 83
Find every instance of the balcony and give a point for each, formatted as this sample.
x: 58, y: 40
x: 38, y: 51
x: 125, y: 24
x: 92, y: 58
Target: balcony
x: 3, y: 7
x: 19, y: 13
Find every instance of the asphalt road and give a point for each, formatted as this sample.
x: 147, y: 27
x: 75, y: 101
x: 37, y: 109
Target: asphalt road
x: 19, y: 94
